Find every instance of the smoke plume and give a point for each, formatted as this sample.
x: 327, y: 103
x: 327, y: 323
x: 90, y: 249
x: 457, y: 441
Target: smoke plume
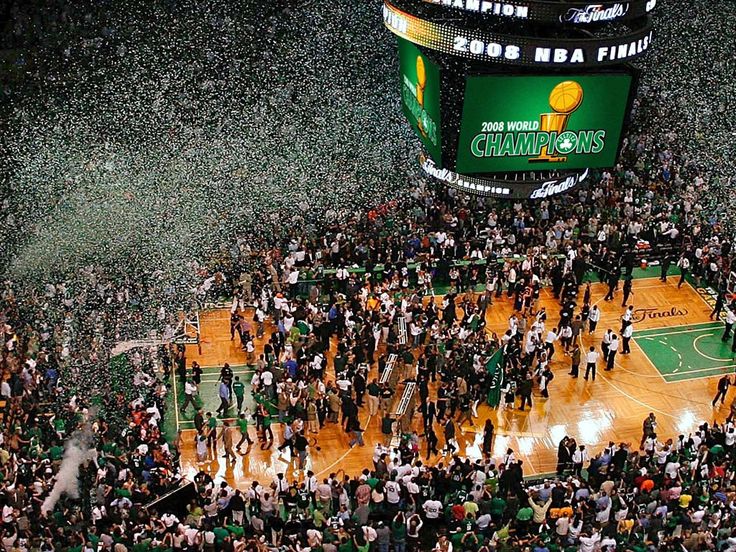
x: 79, y: 450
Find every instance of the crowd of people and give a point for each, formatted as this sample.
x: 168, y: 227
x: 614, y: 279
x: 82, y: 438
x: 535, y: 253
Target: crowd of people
x: 156, y: 159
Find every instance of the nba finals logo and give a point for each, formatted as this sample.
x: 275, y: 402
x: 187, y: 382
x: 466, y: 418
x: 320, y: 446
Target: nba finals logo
x: 545, y: 140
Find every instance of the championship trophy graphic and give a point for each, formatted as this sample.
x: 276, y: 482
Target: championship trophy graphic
x: 421, y: 84
x: 564, y: 99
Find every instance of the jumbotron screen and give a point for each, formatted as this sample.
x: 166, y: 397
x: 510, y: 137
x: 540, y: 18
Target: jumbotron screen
x: 420, y: 97
x: 529, y: 123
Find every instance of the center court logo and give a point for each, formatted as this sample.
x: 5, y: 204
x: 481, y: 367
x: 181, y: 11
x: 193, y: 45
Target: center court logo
x: 546, y: 140
x: 654, y: 313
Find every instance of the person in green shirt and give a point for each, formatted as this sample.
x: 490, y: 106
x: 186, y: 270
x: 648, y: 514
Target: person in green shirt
x: 498, y: 506
x: 243, y: 427
x: 267, y: 431
x: 239, y: 391
x: 318, y: 518
x: 235, y: 530
x: 220, y: 534
x: 59, y: 427
x: 346, y: 545
x: 56, y: 451
x: 523, y: 518
x: 372, y: 481
x: 211, y: 431
x: 142, y: 545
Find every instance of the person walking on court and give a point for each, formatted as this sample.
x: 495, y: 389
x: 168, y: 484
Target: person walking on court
x: 190, y: 393
x: 449, y: 429
x: 627, y: 317
x: 224, y: 392
x: 612, y: 350
x: 649, y: 428
x: 591, y: 360
x: 239, y: 392
x: 525, y: 390
x: 718, y: 307
x: 730, y: 319
x: 666, y: 262
x: 723, y: 384
x: 626, y: 337
x: 586, y: 294
x: 594, y: 317
x: 243, y: 427
x: 627, y: 291
x: 227, y: 440
x: 613, y: 278
x: 488, y: 438
x: 549, y: 342
x: 575, y: 355
x: 684, y: 265
x: 432, y: 441
x: 606, y: 343
x: 301, y: 445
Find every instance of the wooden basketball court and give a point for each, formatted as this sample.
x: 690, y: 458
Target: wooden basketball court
x: 675, y: 361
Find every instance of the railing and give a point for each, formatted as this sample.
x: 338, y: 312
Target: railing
x: 388, y: 371
x: 402, y: 330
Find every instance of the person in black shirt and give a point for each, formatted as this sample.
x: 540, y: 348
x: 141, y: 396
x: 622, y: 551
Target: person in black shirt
x: 613, y: 278
x: 300, y: 444
x: 442, y: 400
x: 723, y: 385
x: 666, y: 262
x: 196, y: 373
x: 564, y: 460
x: 226, y: 377
x: 429, y: 414
x: 488, y: 438
x: 449, y: 429
x: 359, y: 387
x: 199, y: 420
x: 627, y: 291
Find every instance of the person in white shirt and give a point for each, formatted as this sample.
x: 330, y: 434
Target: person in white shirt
x: 591, y: 360
x: 626, y: 336
x: 662, y: 455
x: 605, y: 342
x: 608, y: 544
x: 684, y: 265
x: 730, y: 437
x: 393, y: 492
x: 672, y: 469
x: 190, y: 391
x: 650, y: 443
x: 513, y: 324
x: 588, y: 544
x: 627, y: 317
x: 549, y: 343
x: 562, y: 525
x: 593, y: 317
x: 511, y: 279
x: 579, y: 457
x: 432, y: 509
x: 612, y: 350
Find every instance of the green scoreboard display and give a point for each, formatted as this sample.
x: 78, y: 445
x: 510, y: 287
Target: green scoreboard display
x: 420, y: 97
x: 523, y: 123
